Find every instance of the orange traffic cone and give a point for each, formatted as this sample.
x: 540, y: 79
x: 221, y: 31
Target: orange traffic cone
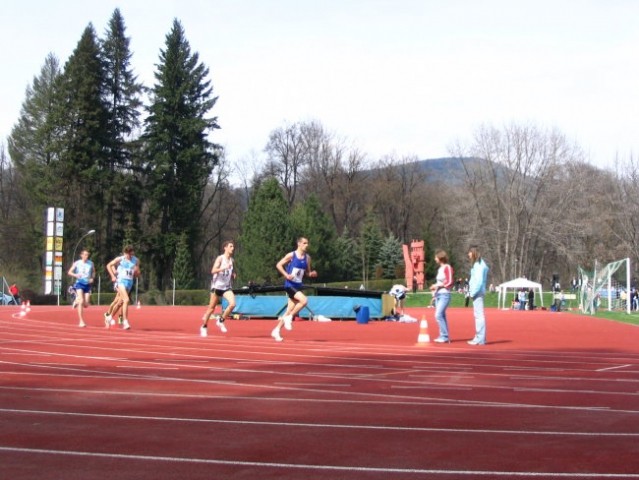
x: 423, y: 336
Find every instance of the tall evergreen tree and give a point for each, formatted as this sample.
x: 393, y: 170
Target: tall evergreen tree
x: 81, y: 139
x: 347, y: 261
x: 267, y: 234
x: 370, y: 243
x: 179, y: 154
x: 183, y: 272
x: 30, y: 142
x: 122, y: 95
x: 33, y: 183
x: 391, y: 256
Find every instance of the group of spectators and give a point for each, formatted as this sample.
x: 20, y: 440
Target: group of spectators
x: 525, y: 300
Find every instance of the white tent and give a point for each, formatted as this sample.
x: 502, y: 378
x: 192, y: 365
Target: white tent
x: 515, y: 285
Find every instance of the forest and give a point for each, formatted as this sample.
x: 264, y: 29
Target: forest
x: 139, y: 164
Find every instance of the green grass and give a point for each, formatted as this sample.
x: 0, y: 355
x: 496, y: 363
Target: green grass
x: 623, y: 317
x: 422, y: 299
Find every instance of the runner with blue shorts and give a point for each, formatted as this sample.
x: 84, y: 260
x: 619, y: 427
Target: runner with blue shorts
x: 123, y: 270
x: 84, y: 272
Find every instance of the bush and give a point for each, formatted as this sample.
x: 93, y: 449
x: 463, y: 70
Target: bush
x: 187, y: 297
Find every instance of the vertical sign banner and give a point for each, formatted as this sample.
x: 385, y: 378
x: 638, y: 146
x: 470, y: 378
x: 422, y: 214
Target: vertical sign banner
x: 54, y: 234
x: 58, y: 240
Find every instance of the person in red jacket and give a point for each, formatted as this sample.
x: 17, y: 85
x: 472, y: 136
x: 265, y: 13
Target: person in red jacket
x: 15, y: 292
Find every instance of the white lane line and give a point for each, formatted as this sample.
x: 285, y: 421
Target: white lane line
x: 431, y: 387
x: 613, y: 368
x: 298, y: 384
x: 149, y: 367
x: 340, y: 426
x: 342, y: 468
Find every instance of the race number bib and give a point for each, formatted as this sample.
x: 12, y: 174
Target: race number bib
x: 298, y: 275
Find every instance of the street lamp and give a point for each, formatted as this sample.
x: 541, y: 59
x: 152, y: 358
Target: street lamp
x: 90, y: 232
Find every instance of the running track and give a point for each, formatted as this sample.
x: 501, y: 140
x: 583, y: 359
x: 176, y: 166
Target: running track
x: 552, y: 395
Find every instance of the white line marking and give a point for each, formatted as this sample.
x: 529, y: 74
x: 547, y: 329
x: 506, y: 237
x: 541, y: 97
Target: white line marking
x: 133, y: 367
x: 481, y: 431
x: 613, y: 368
x: 210, y: 461
x: 296, y: 384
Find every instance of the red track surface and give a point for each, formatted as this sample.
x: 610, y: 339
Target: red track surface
x: 552, y: 395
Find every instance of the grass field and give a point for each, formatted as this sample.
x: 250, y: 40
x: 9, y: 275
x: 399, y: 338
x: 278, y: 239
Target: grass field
x: 422, y: 299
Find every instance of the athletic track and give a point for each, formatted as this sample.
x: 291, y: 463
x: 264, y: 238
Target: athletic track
x: 553, y: 395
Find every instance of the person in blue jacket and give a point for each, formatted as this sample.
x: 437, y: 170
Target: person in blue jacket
x: 476, y: 291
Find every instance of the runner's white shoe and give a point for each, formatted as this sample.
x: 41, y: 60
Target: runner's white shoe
x: 125, y: 325
x: 204, y: 332
x: 220, y: 324
x: 276, y: 335
x: 288, y: 322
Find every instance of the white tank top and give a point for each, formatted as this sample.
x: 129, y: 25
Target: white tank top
x: 222, y: 280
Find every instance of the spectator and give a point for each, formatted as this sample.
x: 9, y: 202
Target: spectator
x: 531, y: 299
x: 15, y: 292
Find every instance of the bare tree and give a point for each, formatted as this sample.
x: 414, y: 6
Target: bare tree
x: 623, y: 219
x: 287, y: 151
x: 334, y: 173
x: 397, y: 190
x: 513, y: 179
x: 220, y: 215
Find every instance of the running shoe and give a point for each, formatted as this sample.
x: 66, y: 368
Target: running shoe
x: 220, y: 324
x: 276, y: 335
x: 107, y: 320
x: 204, y: 332
x: 288, y: 322
x: 82, y: 324
x: 125, y: 325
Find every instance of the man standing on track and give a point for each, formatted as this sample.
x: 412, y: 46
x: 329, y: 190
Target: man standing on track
x: 293, y: 266
x: 223, y: 275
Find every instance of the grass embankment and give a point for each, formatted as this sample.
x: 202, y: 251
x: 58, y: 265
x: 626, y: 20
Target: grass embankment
x: 422, y: 299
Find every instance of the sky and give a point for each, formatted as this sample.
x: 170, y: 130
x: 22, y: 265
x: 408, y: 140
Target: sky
x: 390, y: 77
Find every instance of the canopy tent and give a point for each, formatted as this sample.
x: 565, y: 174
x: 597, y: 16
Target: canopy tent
x: 515, y: 285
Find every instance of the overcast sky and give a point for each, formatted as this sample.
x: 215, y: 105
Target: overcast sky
x: 407, y: 77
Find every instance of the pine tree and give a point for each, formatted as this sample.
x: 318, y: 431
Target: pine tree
x: 183, y: 266
x: 81, y: 134
x: 391, y: 256
x: 266, y: 234
x: 370, y: 243
x: 122, y: 96
x: 347, y: 262
x: 30, y: 144
x: 179, y: 155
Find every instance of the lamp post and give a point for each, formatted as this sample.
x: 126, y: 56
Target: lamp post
x: 90, y: 232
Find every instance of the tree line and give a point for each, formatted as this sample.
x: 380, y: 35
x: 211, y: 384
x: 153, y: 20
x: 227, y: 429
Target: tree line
x: 139, y: 165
